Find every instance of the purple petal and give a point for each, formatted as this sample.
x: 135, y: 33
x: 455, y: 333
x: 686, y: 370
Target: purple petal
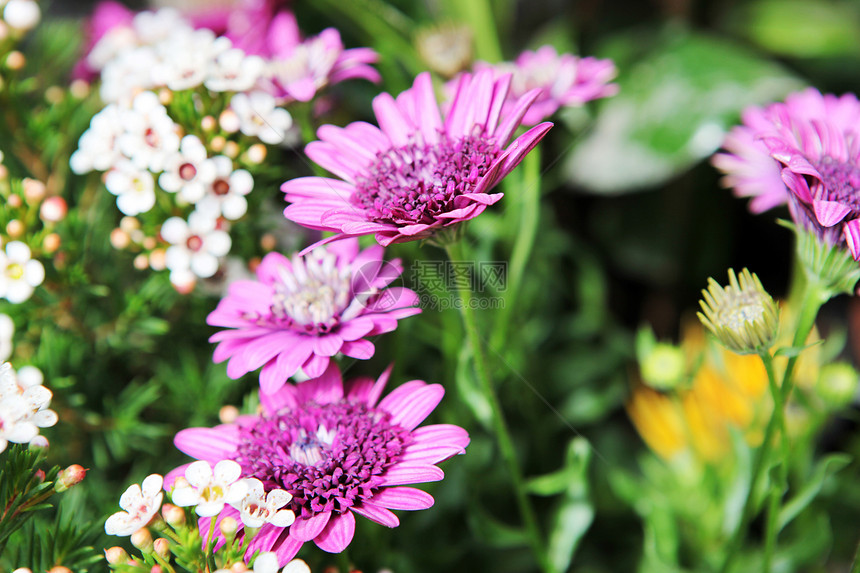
x: 376, y: 513
x: 326, y: 389
x: 829, y: 213
x: 361, y: 349
x: 401, y: 497
x: 403, y: 474
x: 327, y: 344
x: 391, y: 120
x: 209, y: 444
x: 410, y: 409
x: 305, y: 529
x: 337, y: 534
x: 315, y: 365
x: 851, y: 230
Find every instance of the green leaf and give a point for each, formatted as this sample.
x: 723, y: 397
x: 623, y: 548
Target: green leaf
x: 672, y: 111
x: 792, y: 351
x: 800, y: 28
x: 828, y: 466
x: 575, y: 512
x: 494, y: 532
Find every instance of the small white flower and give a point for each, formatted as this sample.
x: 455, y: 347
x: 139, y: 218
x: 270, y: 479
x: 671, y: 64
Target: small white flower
x: 97, y: 147
x: 127, y: 74
x: 150, y: 135
x: 210, y: 490
x: 226, y: 194
x: 140, y: 505
x: 233, y: 71
x: 22, y: 14
x: 134, y: 188
x: 19, y: 274
x: 156, y: 26
x: 7, y: 331
x: 196, y: 246
x: 188, y: 171
x: 258, y: 507
x: 187, y: 58
x: 116, y: 41
x: 260, y: 117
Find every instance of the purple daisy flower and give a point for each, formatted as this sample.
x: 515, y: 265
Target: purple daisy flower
x: 565, y: 80
x: 339, y: 451
x: 758, y: 153
x: 302, y: 311
x: 417, y: 173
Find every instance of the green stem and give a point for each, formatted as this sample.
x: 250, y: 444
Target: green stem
x: 812, y: 299
x: 506, y: 445
x: 480, y: 15
x: 761, y: 455
x: 776, y: 489
x: 855, y: 567
x: 529, y: 204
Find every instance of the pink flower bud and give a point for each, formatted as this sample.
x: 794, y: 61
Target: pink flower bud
x: 116, y: 556
x: 72, y: 475
x: 53, y: 210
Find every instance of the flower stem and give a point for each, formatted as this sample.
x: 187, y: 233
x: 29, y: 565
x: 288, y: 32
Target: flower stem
x: 761, y: 456
x: 776, y: 489
x: 506, y: 445
x: 812, y: 299
x: 529, y: 205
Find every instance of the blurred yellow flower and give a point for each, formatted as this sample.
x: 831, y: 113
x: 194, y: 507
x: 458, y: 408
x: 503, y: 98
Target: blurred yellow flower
x: 723, y: 391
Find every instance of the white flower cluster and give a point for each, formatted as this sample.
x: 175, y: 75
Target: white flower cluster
x: 140, y: 144
x: 161, y: 49
x: 24, y: 405
x: 209, y: 490
x: 20, y: 15
x: 143, y: 150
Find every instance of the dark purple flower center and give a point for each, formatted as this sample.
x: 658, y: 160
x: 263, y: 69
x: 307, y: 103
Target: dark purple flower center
x: 328, y: 456
x: 841, y: 182
x: 416, y: 183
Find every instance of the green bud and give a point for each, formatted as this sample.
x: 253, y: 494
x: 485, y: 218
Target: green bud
x: 837, y: 384
x: 664, y: 367
x: 831, y: 266
x: 742, y: 315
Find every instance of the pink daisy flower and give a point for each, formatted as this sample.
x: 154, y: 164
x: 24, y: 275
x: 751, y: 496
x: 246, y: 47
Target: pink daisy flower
x: 339, y: 451
x: 752, y: 164
x: 417, y: 173
x: 298, y: 68
x: 302, y: 311
x: 565, y: 80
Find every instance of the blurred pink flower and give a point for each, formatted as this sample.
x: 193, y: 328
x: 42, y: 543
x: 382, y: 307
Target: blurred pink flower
x: 338, y: 450
x: 417, y: 173
x: 565, y: 80
x: 302, y: 311
x: 812, y: 142
x: 299, y: 68
x: 106, y: 16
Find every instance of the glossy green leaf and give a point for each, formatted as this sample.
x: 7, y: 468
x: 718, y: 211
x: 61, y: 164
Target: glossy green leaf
x: 825, y: 468
x: 674, y: 106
